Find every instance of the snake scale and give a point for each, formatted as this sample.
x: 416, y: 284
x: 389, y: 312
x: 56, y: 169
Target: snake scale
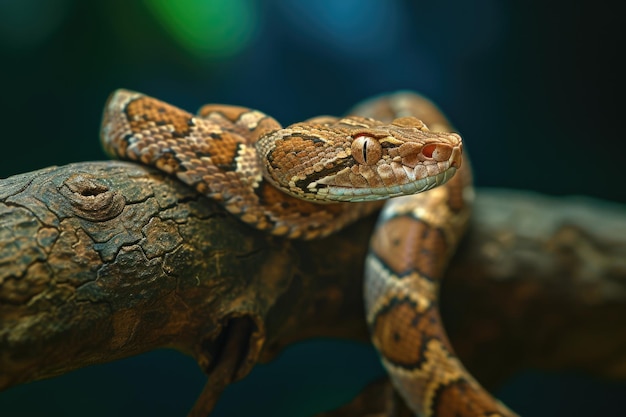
x: 311, y: 179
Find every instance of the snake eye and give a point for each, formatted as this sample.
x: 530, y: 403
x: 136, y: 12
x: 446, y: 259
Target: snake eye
x: 366, y: 150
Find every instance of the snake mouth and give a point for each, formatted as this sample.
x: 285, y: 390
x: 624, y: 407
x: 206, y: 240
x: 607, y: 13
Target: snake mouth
x: 351, y: 194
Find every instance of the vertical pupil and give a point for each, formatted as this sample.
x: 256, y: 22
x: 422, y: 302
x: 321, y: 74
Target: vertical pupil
x: 365, y: 150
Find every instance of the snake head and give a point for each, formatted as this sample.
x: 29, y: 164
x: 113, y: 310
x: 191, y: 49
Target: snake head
x: 359, y: 159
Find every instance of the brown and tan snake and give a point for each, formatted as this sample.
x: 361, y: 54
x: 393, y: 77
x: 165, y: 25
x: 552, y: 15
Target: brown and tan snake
x: 313, y: 178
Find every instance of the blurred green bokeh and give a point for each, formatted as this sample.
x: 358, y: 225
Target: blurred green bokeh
x: 208, y: 29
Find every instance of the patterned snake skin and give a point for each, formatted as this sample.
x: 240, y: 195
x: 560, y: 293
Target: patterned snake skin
x: 277, y: 179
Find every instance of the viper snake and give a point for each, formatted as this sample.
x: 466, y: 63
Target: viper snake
x: 310, y: 179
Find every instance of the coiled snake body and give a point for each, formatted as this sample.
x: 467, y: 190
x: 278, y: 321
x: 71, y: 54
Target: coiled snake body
x: 280, y: 179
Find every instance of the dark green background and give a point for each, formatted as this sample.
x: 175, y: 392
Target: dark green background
x: 535, y: 87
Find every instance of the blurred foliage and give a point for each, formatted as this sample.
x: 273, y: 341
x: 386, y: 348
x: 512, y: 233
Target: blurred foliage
x: 28, y: 23
x: 536, y: 89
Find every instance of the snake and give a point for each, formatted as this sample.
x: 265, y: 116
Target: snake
x: 395, y: 154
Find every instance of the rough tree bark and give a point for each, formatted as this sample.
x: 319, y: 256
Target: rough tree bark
x: 100, y: 261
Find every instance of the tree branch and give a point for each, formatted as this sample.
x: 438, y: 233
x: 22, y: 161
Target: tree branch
x: 100, y: 261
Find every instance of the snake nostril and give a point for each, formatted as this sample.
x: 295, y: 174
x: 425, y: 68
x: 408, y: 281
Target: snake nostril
x: 428, y: 150
x: 437, y: 151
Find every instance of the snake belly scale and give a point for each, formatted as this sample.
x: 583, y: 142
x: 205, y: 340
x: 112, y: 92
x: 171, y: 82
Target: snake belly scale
x: 313, y: 178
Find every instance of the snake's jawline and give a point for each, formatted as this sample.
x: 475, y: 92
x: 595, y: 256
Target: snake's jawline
x: 303, y: 184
